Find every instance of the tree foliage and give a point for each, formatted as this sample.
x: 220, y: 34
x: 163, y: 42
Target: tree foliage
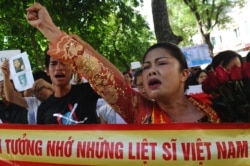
x: 182, y: 21
x: 189, y: 17
x: 115, y: 28
x: 211, y: 13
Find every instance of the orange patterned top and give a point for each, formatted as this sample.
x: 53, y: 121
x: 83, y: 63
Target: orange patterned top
x: 133, y: 107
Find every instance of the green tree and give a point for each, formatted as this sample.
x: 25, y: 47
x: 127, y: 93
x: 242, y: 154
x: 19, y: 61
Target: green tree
x: 211, y: 13
x: 182, y: 21
x: 113, y: 27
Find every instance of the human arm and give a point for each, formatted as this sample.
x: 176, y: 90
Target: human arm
x: 100, y: 73
x: 10, y: 94
x: 38, y: 17
x: 104, y: 60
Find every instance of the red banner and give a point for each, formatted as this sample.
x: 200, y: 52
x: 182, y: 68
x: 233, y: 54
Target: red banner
x: 172, y: 144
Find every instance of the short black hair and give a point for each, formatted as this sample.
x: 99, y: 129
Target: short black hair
x: 41, y: 74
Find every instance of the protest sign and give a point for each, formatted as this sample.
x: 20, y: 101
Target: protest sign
x: 6, y: 54
x: 197, y: 55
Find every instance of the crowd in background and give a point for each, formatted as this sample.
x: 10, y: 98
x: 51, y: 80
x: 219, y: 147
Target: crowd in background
x: 154, y: 93
x: 17, y: 107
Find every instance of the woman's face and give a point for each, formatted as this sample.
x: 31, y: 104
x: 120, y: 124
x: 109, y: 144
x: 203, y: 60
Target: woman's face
x: 162, y: 76
x: 202, y: 77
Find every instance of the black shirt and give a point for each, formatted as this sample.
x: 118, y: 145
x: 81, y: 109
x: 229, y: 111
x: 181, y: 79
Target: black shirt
x: 12, y: 113
x: 77, y: 107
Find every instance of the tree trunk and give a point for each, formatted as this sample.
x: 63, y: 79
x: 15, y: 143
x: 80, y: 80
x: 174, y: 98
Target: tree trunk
x: 206, y: 38
x: 162, y: 26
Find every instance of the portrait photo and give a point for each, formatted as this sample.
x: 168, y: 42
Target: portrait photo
x: 18, y: 64
x: 22, y: 80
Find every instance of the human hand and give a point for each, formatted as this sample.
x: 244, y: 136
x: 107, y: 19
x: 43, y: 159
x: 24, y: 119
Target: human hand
x: 6, y: 69
x: 38, y: 17
x: 40, y: 84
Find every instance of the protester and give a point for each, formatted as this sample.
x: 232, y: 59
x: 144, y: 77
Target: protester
x: 165, y: 75
x: 227, y: 59
x: 11, y: 113
x: 41, y: 91
x: 138, y: 82
x: 67, y: 105
x: 128, y: 78
x: 200, y: 76
x: 192, y: 78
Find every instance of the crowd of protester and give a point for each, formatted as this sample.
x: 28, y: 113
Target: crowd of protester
x: 155, y: 94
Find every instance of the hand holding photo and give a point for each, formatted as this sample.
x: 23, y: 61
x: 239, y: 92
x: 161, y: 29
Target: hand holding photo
x: 7, y: 54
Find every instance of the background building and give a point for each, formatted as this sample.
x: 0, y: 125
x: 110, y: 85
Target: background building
x: 237, y: 34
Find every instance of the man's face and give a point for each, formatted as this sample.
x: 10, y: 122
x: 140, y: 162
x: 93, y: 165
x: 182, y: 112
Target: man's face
x: 59, y: 72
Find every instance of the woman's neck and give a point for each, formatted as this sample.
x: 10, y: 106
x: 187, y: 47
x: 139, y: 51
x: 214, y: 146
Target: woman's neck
x: 173, y: 105
x: 181, y: 110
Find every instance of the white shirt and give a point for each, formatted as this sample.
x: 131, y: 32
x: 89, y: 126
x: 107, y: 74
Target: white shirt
x: 109, y: 115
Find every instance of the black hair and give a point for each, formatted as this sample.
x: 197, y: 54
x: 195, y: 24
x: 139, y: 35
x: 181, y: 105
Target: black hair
x: 127, y: 72
x: 41, y: 74
x: 209, y: 67
x: 199, y: 72
x: 224, y: 58
x: 175, y: 51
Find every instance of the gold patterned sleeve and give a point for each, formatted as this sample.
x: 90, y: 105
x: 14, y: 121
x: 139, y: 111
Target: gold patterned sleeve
x: 102, y: 76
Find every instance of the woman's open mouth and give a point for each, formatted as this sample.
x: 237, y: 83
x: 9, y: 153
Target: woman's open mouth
x: 154, y: 83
